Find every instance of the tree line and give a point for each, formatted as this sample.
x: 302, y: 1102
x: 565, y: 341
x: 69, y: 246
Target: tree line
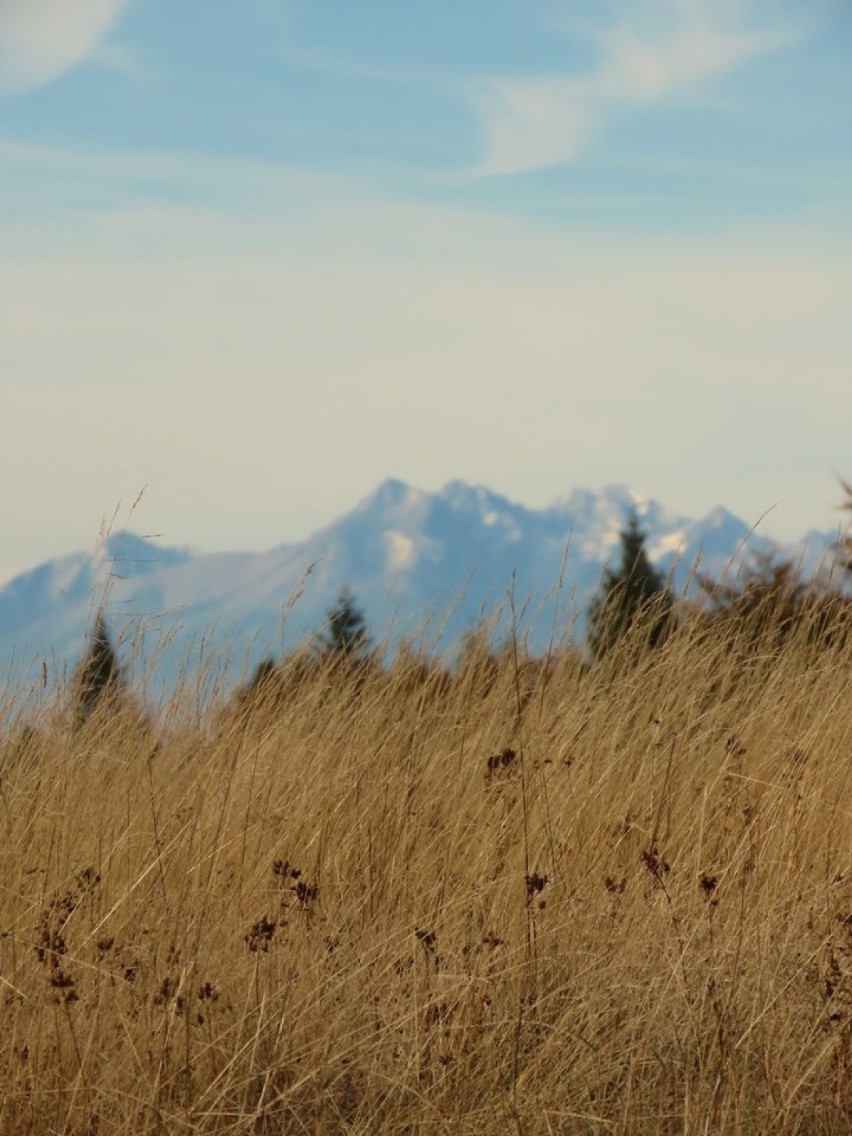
x: 768, y: 604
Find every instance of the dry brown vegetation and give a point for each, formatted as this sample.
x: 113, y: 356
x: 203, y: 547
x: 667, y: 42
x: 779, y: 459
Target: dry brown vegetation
x: 541, y: 899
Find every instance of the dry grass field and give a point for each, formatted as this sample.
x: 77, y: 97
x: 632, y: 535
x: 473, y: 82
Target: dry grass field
x: 546, y: 900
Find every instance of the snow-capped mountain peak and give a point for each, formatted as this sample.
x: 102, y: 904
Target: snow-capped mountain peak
x: 405, y: 552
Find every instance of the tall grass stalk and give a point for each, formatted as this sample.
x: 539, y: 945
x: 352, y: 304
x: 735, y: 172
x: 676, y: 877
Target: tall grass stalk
x: 531, y: 897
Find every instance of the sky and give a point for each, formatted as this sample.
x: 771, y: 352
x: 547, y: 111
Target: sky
x: 255, y: 257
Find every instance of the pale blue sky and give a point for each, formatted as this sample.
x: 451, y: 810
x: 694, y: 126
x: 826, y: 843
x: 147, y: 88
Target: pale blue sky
x: 257, y: 256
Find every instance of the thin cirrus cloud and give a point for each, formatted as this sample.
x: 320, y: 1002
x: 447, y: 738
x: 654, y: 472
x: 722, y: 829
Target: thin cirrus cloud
x: 656, y: 49
x: 40, y: 40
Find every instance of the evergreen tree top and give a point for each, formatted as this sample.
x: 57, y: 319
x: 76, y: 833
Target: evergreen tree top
x: 628, y: 593
x: 346, y: 635
x: 98, y: 672
x: 636, y: 568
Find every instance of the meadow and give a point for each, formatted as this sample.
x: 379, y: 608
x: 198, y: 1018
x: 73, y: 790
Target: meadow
x: 529, y: 897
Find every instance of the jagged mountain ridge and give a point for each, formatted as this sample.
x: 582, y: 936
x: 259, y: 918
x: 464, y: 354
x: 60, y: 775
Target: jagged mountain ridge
x: 405, y: 552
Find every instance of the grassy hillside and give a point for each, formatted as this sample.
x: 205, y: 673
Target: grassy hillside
x: 536, y: 900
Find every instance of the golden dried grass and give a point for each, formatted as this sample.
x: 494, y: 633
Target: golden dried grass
x: 332, y: 913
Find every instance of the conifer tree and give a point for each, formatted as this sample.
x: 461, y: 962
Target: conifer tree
x: 635, y: 591
x: 345, y: 637
x: 98, y: 675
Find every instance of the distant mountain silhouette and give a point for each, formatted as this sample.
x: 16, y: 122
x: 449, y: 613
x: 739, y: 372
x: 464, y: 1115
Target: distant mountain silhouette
x: 412, y: 558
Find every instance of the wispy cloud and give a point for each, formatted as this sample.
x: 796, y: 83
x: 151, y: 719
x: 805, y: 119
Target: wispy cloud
x: 645, y: 53
x: 42, y: 39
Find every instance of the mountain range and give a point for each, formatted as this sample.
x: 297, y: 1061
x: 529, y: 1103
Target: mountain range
x: 421, y: 564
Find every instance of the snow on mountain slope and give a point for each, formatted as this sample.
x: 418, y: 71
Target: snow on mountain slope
x: 406, y: 553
